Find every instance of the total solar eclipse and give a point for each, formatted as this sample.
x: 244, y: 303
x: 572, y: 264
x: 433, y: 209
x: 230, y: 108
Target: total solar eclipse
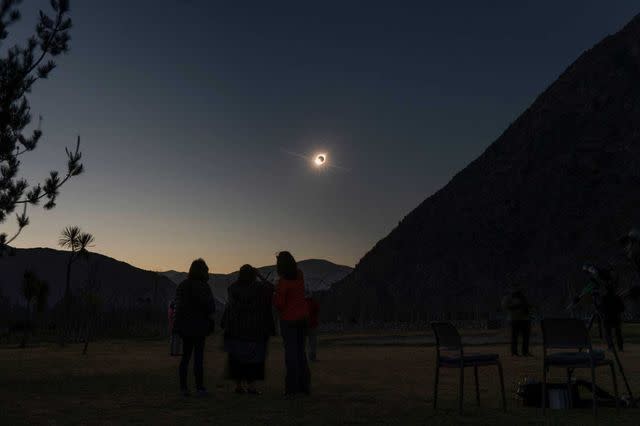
x: 320, y: 159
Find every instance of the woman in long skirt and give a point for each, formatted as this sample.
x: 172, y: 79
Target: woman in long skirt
x: 248, y: 324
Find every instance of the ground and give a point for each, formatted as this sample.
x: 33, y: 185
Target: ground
x: 355, y: 382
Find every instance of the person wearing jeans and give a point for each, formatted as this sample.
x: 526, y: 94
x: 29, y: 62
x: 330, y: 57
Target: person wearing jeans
x: 312, y: 335
x: 298, y: 377
x: 294, y: 316
x: 195, y: 307
x: 193, y: 345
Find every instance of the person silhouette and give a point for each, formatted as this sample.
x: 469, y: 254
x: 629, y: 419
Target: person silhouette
x: 612, y: 309
x: 294, y: 322
x: 516, y: 304
x: 194, y: 310
x: 248, y: 324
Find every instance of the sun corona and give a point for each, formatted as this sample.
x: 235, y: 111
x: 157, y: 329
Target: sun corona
x: 320, y: 159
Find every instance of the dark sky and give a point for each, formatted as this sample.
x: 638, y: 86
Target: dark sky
x: 186, y: 109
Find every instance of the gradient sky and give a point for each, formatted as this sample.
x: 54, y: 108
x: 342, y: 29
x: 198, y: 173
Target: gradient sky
x: 185, y: 108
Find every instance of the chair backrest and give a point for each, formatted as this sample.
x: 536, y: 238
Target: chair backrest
x: 447, y: 336
x: 565, y: 333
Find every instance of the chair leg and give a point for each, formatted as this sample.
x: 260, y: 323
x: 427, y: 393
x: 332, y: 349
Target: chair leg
x: 544, y: 389
x: 569, y: 374
x: 615, y: 387
x: 593, y: 390
x: 435, y: 387
x: 504, y: 397
x: 461, y: 390
x: 475, y: 373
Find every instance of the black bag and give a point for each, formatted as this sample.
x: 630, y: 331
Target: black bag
x: 530, y: 392
x: 557, y: 395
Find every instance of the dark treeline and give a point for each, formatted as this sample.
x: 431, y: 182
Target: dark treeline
x: 84, y: 322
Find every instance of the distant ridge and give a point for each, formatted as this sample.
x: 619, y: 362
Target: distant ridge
x: 120, y: 283
x: 556, y: 189
x: 319, y: 275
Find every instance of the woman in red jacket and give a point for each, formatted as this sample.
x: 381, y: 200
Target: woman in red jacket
x: 294, y: 315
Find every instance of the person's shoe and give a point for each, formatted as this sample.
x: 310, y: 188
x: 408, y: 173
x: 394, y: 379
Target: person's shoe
x: 515, y: 354
x: 240, y: 391
x: 289, y: 396
x: 527, y: 354
x: 201, y: 393
x: 185, y: 392
x: 253, y: 391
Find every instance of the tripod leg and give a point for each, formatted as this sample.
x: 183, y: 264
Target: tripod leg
x: 615, y: 387
x: 593, y: 390
x: 590, y: 323
x: 600, y: 328
x: 624, y: 376
x: 569, y: 388
x: 544, y: 388
x: 504, y: 398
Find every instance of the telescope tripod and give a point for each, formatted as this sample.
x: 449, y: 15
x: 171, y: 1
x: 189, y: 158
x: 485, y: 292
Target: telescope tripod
x: 608, y: 337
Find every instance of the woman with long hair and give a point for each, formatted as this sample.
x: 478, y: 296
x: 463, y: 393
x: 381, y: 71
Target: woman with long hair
x: 294, y: 315
x: 248, y: 324
x: 194, y: 309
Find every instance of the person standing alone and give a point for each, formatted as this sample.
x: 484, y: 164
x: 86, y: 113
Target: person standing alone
x: 516, y: 304
x: 195, y: 307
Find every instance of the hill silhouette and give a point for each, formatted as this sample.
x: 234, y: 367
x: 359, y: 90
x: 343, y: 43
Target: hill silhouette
x: 120, y: 284
x: 319, y: 275
x: 555, y: 190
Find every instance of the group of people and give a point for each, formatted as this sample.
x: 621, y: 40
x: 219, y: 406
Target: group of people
x: 516, y: 305
x: 248, y: 323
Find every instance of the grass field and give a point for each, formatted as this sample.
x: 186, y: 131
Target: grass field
x: 127, y: 382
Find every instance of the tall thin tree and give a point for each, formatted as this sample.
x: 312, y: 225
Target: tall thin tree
x: 78, y: 243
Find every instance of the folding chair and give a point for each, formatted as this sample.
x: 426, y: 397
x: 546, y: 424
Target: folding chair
x: 448, y: 340
x: 571, y: 333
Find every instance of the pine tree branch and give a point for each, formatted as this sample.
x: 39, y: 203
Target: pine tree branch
x: 44, y: 194
x: 20, y: 228
x: 45, y: 46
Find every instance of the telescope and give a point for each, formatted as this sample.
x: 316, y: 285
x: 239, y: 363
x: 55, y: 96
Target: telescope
x: 599, y: 280
x: 606, y: 278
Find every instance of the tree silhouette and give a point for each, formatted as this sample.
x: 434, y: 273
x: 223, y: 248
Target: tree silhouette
x: 77, y: 242
x: 91, y: 306
x: 20, y: 67
x: 35, y: 293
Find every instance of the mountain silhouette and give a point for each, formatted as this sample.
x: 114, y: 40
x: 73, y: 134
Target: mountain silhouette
x: 119, y: 284
x: 319, y: 275
x: 555, y: 190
